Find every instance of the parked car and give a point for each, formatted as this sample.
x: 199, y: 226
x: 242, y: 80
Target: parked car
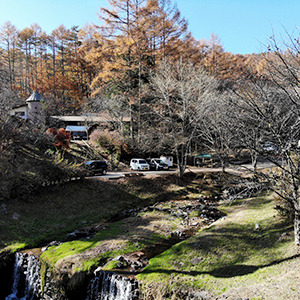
x: 158, y: 164
x: 268, y: 147
x: 139, y: 164
x: 95, y: 167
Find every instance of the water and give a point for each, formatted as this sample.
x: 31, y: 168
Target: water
x: 104, y: 286
x: 26, y: 280
x: 110, y: 286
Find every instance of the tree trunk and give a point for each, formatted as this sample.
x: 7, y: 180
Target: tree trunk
x: 181, y: 163
x: 131, y: 124
x: 223, y: 164
x: 297, y: 228
x: 254, y: 162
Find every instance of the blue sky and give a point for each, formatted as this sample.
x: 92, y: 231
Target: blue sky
x: 243, y: 26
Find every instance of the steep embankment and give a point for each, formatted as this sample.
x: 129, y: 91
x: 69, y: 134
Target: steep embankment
x: 77, y: 214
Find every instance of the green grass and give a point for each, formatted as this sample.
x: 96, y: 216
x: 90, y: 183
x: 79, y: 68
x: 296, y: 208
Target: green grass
x: 124, y: 236
x: 55, y: 253
x: 52, y: 215
x: 228, y: 254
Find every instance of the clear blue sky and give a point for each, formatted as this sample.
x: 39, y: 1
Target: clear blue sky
x: 242, y: 25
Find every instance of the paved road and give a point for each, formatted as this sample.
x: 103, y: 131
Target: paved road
x: 117, y: 175
x: 231, y: 169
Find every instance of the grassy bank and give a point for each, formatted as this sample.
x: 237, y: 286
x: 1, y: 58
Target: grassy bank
x: 231, y: 258
x: 59, y: 210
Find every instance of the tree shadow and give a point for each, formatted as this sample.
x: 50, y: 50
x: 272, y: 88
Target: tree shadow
x: 218, y: 247
x: 224, y: 272
x: 57, y: 211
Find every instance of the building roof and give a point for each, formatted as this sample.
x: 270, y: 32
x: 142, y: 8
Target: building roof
x: 76, y: 128
x: 87, y: 118
x: 34, y: 97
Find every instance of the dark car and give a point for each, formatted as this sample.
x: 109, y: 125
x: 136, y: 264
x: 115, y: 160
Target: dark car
x: 158, y: 164
x: 95, y: 167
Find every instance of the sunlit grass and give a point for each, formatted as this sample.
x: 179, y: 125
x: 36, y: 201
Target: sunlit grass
x: 113, y: 239
x: 231, y: 253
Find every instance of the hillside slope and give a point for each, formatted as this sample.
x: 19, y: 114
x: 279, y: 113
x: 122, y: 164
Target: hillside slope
x: 231, y: 259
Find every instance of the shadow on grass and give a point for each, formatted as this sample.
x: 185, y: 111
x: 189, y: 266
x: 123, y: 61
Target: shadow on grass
x: 225, y: 272
x: 232, y: 249
x: 59, y: 210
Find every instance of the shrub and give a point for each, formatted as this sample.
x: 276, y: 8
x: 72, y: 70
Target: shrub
x: 61, y: 137
x: 109, y: 142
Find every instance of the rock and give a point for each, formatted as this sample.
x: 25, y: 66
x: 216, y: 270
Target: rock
x: 201, y: 295
x: 178, y: 234
x: 16, y: 216
x: 283, y: 237
x: 122, y: 264
x: 71, y: 235
x: 137, y: 265
x: 196, y: 260
x: 120, y: 258
x: 98, y: 270
x: 53, y: 243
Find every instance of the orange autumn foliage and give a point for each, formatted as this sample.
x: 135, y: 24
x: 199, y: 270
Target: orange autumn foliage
x: 62, y: 138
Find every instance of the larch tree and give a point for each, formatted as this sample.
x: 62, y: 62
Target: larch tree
x: 121, y: 54
x: 26, y: 45
x: 136, y: 35
x: 87, y: 40
x: 8, y: 38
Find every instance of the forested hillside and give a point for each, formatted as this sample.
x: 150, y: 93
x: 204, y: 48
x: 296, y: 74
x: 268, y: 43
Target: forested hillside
x: 69, y: 65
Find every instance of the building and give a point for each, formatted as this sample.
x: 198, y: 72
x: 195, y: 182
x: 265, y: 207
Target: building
x: 32, y: 110
x: 78, y: 132
x: 80, y: 127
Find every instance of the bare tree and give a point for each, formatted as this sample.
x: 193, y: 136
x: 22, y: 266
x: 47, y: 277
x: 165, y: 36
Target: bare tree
x: 115, y: 106
x: 249, y: 130
x: 218, y: 128
x: 8, y: 38
x: 180, y: 90
x: 274, y: 109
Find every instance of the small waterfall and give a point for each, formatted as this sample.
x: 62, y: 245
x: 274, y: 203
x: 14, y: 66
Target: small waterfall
x: 110, y: 286
x: 26, y: 280
x: 104, y: 286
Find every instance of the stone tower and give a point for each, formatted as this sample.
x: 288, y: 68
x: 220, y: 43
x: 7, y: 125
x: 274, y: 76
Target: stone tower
x: 34, y: 107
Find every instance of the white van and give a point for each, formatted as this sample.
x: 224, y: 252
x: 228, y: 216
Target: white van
x: 139, y: 164
x: 167, y: 160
